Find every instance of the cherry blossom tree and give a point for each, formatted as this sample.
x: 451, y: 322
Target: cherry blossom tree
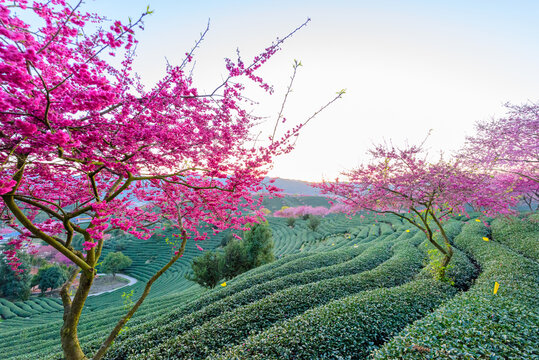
x: 403, y: 183
x: 299, y: 211
x: 82, y: 138
x: 508, y: 144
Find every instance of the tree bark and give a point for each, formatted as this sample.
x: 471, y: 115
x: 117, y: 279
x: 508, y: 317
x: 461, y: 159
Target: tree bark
x: 449, y: 251
x: 114, y: 333
x: 72, y: 312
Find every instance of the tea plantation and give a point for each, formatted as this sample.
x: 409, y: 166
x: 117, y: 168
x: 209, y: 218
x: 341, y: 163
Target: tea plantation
x: 356, y: 288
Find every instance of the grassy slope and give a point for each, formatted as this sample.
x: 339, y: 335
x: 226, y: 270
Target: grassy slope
x: 171, y: 293
x: 334, y: 282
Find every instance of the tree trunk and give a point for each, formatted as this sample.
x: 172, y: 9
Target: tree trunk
x: 447, y: 258
x: 114, y: 333
x: 72, y: 312
x: 448, y: 254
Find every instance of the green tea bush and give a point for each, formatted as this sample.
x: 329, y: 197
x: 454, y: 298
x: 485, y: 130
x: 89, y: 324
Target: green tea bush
x: 479, y: 324
x: 291, y: 221
x: 461, y: 270
x: 519, y: 234
x: 348, y: 328
x: 231, y: 327
x: 154, y: 335
x: 313, y: 222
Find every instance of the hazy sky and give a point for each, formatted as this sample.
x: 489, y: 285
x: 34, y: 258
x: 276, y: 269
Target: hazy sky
x: 408, y: 66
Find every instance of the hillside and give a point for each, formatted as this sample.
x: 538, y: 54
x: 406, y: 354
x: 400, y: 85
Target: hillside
x: 295, y: 187
x: 356, y: 288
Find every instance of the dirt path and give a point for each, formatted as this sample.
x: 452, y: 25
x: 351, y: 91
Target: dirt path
x: 132, y: 281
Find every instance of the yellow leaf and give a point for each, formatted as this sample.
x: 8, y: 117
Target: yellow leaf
x: 408, y: 230
x: 496, y: 286
x: 332, y: 244
x: 477, y: 220
x: 223, y: 284
x: 486, y: 238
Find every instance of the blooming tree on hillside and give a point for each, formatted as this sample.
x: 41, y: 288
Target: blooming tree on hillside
x: 402, y: 182
x: 300, y: 211
x: 80, y: 137
x: 509, y: 145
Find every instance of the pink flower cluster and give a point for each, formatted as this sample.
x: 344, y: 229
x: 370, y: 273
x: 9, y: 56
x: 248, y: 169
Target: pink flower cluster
x: 310, y: 210
x: 82, y: 137
x: 398, y: 180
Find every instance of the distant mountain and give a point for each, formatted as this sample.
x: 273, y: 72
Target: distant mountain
x: 295, y: 187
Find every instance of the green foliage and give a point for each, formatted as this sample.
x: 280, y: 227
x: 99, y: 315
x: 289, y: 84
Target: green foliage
x: 50, y: 277
x: 207, y: 269
x: 436, y: 268
x: 518, y: 233
x: 232, y: 327
x: 258, y: 243
x: 174, y: 316
x: 252, y: 292
x: 115, y: 262
x: 14, y: 285
x: 479, y: 324
x: 254, y: 250
x: 313, y: 223
x: 354, y: 325
x: 235, y: 259
x: 291, y: 221
x: 227, y: 237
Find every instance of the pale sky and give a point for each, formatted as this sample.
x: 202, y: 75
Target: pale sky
x: 407, y: 66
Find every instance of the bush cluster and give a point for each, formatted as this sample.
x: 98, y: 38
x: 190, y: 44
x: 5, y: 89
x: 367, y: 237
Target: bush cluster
x: 231, y: 327
x: 254, y: 250
x: 479, y: 324
x: 151, y: 332
x: 370, y: 258
x: 13, y: 285
x: 518, y: 233
x: 349, y: 328
x: 50, y: 277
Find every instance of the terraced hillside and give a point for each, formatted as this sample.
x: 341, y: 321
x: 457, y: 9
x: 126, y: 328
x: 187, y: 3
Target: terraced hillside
x: 171, y: 291
x: 355, y: 289
x: 276, y: 203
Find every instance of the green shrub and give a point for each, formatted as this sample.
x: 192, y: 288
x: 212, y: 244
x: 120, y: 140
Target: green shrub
x: 6, y: 313
x: 313, y: 223
x: 115, y: 262
x: 479, y: 324
x: 278, y: 268
x: 461, y: 270
x: 50, y: 277
x: 207, y: 269
x: 14, y: 285
x: 519, y: 234
x: 258, y: 243
x: 228, y: 235
x: 291, y: 221
x: 235, y: 259
x: 348, y: 328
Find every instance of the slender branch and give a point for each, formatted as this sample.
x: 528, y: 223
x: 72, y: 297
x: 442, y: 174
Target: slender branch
x: 64, y: 292
x: 114, y: 333
x: 59, y: 28
x: 10, y: 203
x: 288, y: 91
